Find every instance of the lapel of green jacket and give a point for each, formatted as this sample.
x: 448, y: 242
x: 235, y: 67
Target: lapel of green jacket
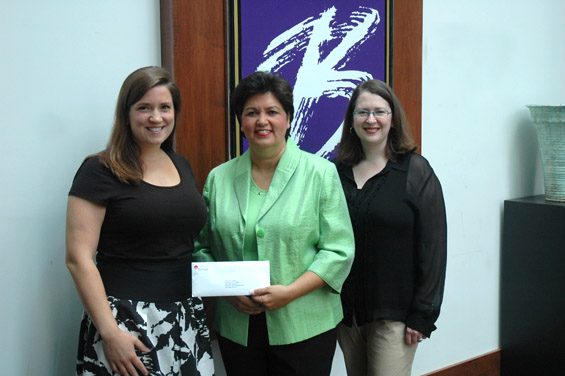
x: 241, y: 182
x: 285, y: 169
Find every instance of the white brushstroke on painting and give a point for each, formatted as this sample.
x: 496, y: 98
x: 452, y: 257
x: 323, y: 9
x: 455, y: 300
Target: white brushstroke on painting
x: 320, y: 76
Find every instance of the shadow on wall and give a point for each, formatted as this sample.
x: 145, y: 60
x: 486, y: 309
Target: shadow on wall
x: 524, y: 157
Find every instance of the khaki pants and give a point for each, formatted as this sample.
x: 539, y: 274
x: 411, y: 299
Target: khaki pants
x: 376, y: 349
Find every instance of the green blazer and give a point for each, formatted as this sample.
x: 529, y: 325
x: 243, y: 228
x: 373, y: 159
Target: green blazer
x: 303, y: 225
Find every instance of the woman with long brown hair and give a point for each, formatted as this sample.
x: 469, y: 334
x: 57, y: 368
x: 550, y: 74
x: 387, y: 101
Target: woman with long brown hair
x: 135, y: 208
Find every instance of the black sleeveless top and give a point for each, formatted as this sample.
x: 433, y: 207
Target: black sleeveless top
x: 147, y: 237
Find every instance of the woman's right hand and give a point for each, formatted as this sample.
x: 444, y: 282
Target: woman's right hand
x: 119, y: 347
x: 84, y: 223
x: 245, y: 304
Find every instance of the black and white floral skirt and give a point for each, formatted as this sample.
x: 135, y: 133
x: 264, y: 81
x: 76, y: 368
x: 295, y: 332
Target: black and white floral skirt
x: 176, y: 332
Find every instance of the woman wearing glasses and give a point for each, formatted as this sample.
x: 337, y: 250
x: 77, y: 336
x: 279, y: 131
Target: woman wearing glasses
x: 393, y: 294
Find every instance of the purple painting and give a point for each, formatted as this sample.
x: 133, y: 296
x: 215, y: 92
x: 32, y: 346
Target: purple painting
x: 324, y: 48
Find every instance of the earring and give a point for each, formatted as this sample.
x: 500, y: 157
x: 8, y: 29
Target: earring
x: 351, y: 130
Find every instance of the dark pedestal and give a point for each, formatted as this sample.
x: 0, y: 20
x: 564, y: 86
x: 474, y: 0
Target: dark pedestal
x: 532, y: 294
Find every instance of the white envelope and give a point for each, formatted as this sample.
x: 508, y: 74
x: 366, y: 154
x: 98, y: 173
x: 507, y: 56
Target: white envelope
x: 229, y: 278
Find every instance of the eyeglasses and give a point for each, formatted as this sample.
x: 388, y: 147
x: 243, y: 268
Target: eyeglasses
x: 364, y: 114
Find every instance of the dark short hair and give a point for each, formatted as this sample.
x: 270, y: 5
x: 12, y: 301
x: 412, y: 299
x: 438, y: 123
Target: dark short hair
x: 399, y: 141
x: 262, y: 83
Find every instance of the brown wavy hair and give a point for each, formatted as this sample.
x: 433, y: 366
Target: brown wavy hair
x: 122, y: 153
x: 399, y: 141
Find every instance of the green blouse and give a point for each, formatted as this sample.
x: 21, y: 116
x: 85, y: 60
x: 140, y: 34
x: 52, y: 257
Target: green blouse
x: 256, y: 199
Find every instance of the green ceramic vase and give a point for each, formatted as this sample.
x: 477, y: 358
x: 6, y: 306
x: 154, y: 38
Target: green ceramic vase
x: 549, y: 122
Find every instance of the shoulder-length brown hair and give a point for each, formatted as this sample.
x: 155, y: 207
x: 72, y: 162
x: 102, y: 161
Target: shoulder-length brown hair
x: 121, y: 155
x: 399, y: 142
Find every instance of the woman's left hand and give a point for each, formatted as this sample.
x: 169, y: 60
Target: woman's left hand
x: 272, y: 297
x: 277, y: 296
x: 413, y: 336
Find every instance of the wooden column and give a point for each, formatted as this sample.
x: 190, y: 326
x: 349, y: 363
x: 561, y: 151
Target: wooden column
x: 199, y: 63
x: 407, y: 61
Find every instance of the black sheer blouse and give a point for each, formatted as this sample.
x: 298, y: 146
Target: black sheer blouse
x: 400, y: 231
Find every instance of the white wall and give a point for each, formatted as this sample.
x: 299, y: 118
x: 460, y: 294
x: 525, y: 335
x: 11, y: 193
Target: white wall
x: 483, y: 61
x: 63, y: 64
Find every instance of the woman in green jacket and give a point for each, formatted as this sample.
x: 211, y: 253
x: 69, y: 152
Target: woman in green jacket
x: 277, y: 203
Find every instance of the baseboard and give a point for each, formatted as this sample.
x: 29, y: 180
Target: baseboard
x: 484, y: 365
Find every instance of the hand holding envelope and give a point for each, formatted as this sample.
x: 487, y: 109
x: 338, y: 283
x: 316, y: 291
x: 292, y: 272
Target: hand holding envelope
x: 229, y: 278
